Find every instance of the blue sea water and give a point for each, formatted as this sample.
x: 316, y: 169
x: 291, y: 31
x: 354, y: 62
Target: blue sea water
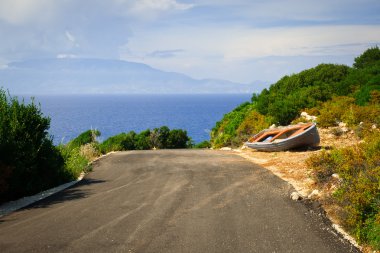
x: 113, y: 114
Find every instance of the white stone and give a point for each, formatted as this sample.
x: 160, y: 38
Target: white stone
x: 295, y: 196
x: 342, y: 124
x: 313, y: 194
x: 306, y: 116
x: 272, y: 126
x: 335, y: 176
x: 374, y: 126
x: 226, y: 149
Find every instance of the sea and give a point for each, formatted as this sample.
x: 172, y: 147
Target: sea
x: 113, y: 114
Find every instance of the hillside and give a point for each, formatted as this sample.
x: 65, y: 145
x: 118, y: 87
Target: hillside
x: 316, y: 90
x: 343, y: 174
x: 100, y: 76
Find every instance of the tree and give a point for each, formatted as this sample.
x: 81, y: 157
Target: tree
x: 159, y: 137
x: 369, y: 57
x: 177, y: 139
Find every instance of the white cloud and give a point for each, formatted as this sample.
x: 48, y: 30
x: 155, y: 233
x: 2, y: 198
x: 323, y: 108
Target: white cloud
x: 223, y: 51
x: 66, y: 56
x: 18, y: 12
x: 150, y: 9
x: 160, y: 5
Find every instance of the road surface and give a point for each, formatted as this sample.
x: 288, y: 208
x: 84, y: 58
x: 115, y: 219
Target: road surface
x: 171, y: 201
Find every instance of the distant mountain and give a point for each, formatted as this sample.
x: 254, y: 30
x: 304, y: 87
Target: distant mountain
x: 96, y: 76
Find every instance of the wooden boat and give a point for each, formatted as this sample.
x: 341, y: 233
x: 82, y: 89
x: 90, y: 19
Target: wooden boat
x: 280, y: 139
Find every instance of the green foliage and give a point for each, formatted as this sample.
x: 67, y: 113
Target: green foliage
x: 224, y: 132
x: 203, y: 144
x: 177, y: 139
x: 160, y: 138
x: 284, y: 99
x: 253, y: 122
x: 29, y: 162
x: 369, y: 58
x: 86, y: 137
x: 79, y: 152
x: 344, y: 109
x: 75, y: 163
x: 358, y: 191
x: 142, y: 140
x: 116, y: 143
x: 333, y: 92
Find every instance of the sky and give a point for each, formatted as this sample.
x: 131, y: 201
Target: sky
x: 237, y: 40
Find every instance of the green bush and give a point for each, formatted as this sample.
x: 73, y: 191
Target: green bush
x: 177, y: 139
x: 86, y: 137
x: 75, y: 163
x: 358, y: 192
x: 203, y: 144
x: 344, y: 109
x: 160, y: 138
x: 226, y: 130
x: 253, y: 123
x: 114, y: 143
x: 29, y: 162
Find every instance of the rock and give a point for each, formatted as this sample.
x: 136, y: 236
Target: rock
x: 344, y: 129
x: 374, y: 126
x: 306, y: 116
x: 226, y: 149
x: 295, y: 196
x: 244, y: 147
x: 313, y: 194
x: 342, y: 124
x: 335, y: 176
x: 272, y: 126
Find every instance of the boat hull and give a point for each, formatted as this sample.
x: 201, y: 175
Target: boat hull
x: 308, y: 138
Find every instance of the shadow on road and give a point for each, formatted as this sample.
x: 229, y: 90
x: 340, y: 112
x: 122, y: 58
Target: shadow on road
x: 78, y: 191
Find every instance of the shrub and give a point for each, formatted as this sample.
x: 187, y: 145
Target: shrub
x: 90, y: 151
x: 358, y: 193
x: 177, y: 139
x: 253, y: 123
x: 114, y: 143
x: 86, y: 137
x: 344, y: 109
x: 159, y: 137
x: 142, y: 140
x: 226, y: 129
x: 29, y: 162
x: 203, y: 144
x: 75, y: 163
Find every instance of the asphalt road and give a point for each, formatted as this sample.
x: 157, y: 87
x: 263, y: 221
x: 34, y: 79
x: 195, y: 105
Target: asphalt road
x: 171, y: 201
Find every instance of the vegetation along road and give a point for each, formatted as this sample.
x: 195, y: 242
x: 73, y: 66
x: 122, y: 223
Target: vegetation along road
x: 171, y: 201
